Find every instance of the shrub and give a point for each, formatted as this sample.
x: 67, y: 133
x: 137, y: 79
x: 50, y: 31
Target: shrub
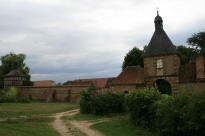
x: 182, y: 115
x: 101, y: 104
x: 107, y: 103
x: 196, y: 115
x: 86, y: 100
x: 140, y: 104
x: 167, y: 115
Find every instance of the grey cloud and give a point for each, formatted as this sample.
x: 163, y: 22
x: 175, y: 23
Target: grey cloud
x: 70, y: 39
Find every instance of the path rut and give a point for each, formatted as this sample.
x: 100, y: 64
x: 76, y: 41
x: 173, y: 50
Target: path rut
x: 83, y: 126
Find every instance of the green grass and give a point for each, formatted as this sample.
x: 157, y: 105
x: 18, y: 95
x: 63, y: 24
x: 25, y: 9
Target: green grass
x: 32, y: 126
x: 8, y: 110
x: 30, y: 119
x: 121, y: 125
x: 91, y: 117
x: 87, y: 117
x: 114, y: 125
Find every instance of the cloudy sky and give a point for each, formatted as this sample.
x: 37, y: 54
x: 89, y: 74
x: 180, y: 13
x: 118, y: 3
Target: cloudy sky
x: 72, y: 39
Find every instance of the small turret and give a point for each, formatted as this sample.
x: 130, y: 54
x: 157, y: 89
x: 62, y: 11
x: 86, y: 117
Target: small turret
x: 158, y: 22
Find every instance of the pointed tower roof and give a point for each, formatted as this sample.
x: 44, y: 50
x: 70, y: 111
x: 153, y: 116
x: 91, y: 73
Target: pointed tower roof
x: 160, y: 43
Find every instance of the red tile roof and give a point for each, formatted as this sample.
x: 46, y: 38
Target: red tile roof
x: 131, y: 75
x: 44, y: 83
x: 96, y: 82
x: 78, y: 82
x: 15, y: 72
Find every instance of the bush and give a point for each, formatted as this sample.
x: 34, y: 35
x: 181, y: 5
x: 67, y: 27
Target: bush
x: 101, y: 104
x: 107, y: 103
x: 168, y: 115
x: 86, y: 100
x: 196, y: 115
x: 182, y: 115
x: 140, y: 104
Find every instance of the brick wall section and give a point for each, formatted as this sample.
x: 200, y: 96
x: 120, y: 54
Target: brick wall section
x: 200, y: 71
x: 187, y: 73
x: 123, y: 88
x: 43, y: 93
x: 171, y: 64
x: 196, y: 87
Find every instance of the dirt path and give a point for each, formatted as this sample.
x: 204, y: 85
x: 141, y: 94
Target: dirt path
x: 74, y: 126
x: 59, y: 125
x: 84, y: 126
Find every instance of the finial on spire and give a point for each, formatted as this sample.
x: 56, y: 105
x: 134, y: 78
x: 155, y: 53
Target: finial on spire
x: 157, y: 11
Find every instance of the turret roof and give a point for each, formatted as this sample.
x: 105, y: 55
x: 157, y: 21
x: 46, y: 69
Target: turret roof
x: 160, y: 44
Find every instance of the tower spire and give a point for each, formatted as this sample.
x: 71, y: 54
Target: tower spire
x: 160, y: 44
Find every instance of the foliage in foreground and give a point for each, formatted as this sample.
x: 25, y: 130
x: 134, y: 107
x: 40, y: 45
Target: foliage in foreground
x: 101, y: 104
x: 140, y: 103
x: 182, y: 115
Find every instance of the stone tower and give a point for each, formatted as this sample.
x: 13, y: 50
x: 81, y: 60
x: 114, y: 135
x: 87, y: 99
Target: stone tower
x: 161, y: 62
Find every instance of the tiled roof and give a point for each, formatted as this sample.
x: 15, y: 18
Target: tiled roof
x: 78, y: 82
x: 131, y: 75
x: 44, y: 83
x: 15, y: 72
x: 96, y: 82
x: 160, y: 43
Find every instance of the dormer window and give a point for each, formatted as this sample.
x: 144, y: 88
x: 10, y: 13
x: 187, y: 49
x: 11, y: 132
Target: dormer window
x: 159, y: 64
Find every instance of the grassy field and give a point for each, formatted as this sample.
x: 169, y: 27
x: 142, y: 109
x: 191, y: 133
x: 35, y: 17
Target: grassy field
x: 115, y: 125
x: 30, y: 119
x: 8, y: 110
x: 32, y: 126
x: 121, y: 126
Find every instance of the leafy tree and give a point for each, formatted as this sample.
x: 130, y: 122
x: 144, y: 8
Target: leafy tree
x: 133, y: 57
x: 8, y: 64
x: 198, y: 41
x: 186, y: 54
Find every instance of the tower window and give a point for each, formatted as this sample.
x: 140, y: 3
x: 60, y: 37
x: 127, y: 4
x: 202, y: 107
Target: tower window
x: 159, y: 63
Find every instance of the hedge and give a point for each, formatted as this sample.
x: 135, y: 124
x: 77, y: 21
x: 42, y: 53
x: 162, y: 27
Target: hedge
x: 181, y: 115
x: 101, y: 104
x: 140, y: 105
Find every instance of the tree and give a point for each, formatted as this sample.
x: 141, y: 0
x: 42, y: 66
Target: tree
x: 198, y: 41
x: 186, y: 54
x: 133, y: 58
x: 8, y: 64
